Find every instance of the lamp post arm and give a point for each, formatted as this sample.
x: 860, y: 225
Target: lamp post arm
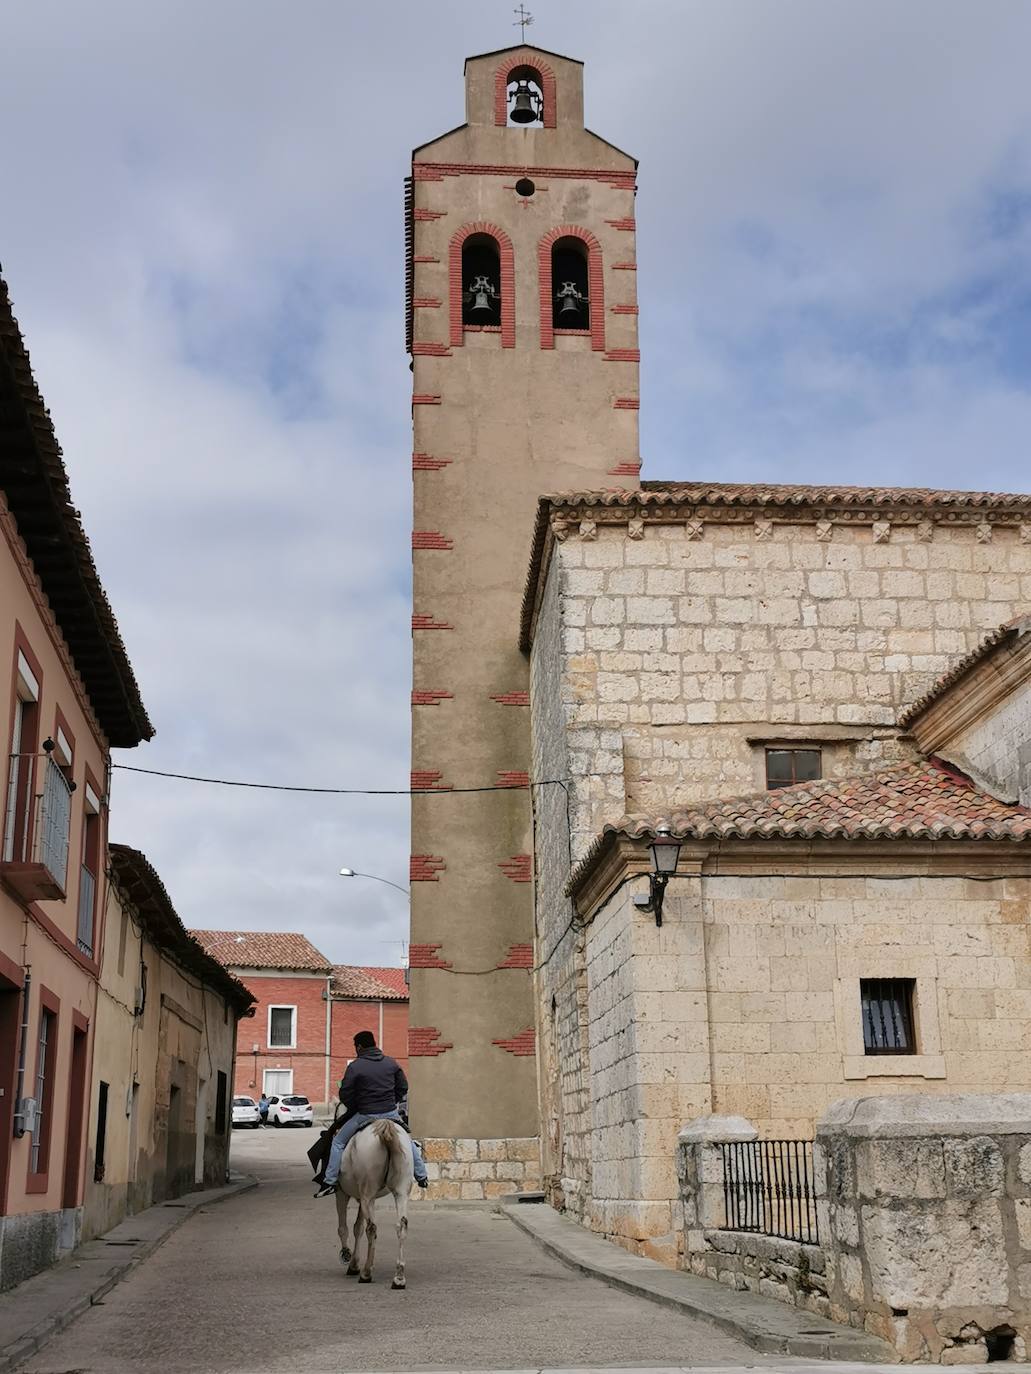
x: 377, y: 879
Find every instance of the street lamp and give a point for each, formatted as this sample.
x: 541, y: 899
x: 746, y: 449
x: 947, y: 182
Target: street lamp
x: 665, y: 849
x: 353, y: 873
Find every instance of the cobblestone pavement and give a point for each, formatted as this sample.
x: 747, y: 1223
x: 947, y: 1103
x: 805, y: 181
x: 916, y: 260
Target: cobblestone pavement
x: 255, y: 1285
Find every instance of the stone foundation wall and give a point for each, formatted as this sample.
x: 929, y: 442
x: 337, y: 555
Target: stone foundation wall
x: 481, y: 1170
x: 781, y: 1269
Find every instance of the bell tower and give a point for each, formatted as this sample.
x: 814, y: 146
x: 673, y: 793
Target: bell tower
x: 522, y: 326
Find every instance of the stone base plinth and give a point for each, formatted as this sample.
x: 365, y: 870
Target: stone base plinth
x: 471, y: 1170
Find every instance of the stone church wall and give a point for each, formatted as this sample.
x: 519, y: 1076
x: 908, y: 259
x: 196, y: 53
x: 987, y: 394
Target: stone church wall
x: 683, y: 655
x: 664, y: 658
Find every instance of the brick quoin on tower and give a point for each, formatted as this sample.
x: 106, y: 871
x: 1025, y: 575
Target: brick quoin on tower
x: 510, y: 400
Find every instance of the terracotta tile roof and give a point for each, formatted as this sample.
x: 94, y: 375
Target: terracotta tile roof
x: 912, y: 801
x: 788, y: 494
x: 138, y: 881
x: 1013, y: 629
x: 369, y: 984
x: 263, y: 949
x: 34, y: 483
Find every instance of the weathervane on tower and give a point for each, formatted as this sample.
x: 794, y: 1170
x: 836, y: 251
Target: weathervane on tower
x: 524, y: 19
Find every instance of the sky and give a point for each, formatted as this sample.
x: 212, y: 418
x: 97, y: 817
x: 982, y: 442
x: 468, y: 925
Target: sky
x: 201, y: 228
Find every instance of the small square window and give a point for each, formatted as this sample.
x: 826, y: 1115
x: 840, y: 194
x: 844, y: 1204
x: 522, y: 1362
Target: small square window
x: 888, y: 1015
x: 784, y: 767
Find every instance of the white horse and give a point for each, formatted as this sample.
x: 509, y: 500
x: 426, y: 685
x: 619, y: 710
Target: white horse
x: 376, y: 1162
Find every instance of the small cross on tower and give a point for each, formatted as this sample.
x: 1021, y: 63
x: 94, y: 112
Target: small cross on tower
x: 524, y: 18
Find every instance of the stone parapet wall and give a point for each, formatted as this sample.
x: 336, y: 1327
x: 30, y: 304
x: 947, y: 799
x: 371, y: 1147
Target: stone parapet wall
x: 928, y: 1222
x: 469, y: 1170
x: 924, y: 1208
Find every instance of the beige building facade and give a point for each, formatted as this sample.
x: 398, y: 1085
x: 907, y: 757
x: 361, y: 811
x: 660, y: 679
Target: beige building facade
x: 523, y: 334
x: 686, y: 643
x: 160, y: 1117
x: 69, y: 696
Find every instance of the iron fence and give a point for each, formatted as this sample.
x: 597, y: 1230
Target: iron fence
x: 768, y: 1188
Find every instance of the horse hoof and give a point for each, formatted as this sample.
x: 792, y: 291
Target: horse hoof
x: 345, y: 1257
x: 363, y: 1279
x: 397, y: 1286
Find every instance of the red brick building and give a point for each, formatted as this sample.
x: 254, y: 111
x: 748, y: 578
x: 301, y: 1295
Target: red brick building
x: 373, y: 999
x: 285, y: 1049
x: 308, y: 1011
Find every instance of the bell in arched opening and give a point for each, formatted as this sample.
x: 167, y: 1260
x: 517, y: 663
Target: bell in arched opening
x: 571, y: 297
x: 526, y: 104
x: 481, y: 280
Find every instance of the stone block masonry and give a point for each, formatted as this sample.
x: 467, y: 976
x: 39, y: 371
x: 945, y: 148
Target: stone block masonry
x: 478, y: 1170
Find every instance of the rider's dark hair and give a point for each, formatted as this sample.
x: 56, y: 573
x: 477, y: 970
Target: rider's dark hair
x: 365, y: 1040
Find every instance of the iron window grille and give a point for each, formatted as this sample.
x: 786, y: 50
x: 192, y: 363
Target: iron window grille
x: 888, y: 1025
x: 785, y: 767
x: 281, y: 1028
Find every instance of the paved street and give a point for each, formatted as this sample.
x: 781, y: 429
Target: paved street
x: 255, y: 1285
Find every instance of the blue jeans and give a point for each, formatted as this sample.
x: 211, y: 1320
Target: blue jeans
x: 350, y: 1129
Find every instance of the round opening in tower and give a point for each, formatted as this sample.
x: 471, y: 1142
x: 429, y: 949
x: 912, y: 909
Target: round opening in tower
x: 525, y: 187
x: 525, y: 97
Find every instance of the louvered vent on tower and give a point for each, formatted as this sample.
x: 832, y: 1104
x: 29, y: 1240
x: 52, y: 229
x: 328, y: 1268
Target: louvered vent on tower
x: 409, y: 262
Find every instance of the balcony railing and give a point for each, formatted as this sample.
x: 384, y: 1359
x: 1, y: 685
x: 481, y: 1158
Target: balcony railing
x: 87, y: 902
x: 35, y: 862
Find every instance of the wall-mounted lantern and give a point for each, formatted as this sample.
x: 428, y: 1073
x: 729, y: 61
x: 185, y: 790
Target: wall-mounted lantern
x: 665, y: 849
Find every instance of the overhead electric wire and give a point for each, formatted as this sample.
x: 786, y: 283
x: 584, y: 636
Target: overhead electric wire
x: 347, y: 791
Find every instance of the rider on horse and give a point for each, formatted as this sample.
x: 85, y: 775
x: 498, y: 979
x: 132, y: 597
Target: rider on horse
x: 372, y: 1088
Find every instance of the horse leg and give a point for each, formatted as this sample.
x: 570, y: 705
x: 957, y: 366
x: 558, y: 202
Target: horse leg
x: 401, y: 1202
x: 352, y: 1268
x: 370, y: 1240
x: 341, y: 1202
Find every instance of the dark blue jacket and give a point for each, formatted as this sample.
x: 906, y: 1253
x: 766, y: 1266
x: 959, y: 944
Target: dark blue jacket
x: 373, y: 1083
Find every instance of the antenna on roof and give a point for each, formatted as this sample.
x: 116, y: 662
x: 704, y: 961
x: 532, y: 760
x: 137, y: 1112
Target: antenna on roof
x: 525, y: 18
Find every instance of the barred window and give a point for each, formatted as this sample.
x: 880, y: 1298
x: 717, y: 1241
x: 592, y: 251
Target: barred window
x: 282, y: 1027
x: 888, y: 1015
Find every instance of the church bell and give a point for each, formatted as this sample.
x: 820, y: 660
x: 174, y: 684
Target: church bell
x: 483, y: 293
x: 525, y: 104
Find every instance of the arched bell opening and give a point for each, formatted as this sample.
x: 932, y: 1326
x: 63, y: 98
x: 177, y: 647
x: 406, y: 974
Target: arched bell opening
x: 570, y: 285
x: 524, y: 96
x: 481, y: 281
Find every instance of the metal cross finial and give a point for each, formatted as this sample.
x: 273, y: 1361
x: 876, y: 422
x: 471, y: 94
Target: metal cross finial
x: 525, y: 18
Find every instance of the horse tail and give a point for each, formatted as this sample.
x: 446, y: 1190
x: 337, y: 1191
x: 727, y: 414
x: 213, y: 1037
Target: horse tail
x: 389, y: 1136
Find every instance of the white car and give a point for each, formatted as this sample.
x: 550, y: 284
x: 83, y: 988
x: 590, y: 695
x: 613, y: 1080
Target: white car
x: 290, y: 1111
x: 245, y: 1112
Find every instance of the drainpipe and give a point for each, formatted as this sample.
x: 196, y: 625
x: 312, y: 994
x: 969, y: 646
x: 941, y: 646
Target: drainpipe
x: 379, y: 1038
x: 329, y: 1039
x: 19, y: 1113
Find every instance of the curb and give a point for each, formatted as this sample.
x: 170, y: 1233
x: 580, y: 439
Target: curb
x: 768, y: 1326
x: 24, y: 1347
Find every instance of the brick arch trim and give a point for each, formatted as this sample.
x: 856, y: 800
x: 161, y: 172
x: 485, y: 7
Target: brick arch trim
x: 595, y: 284
x: 507, y: 259
x: 501, y: 76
